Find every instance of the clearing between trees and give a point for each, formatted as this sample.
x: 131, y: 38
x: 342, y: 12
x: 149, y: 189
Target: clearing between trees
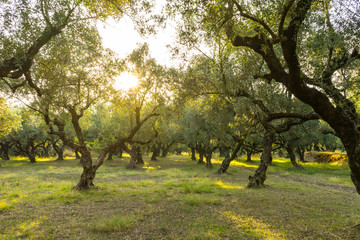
x: 176, y: 198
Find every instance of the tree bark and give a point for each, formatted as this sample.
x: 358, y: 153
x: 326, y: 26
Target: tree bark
x: 258, y: 179
x: 133, y: 159
x: 301, y: 152
x: 110, y: 155
x: 290, y: 150
x: 155, y: 153
x: 59, y: 151
x: 139, y: 158
x: 226, y: 162
x: 88, y: 174
x: 248, y: 156
x: 201, y: 157
x: 120, y: 153
x: 208, y: 156
x: 5, y: 151
x: 193, y: 154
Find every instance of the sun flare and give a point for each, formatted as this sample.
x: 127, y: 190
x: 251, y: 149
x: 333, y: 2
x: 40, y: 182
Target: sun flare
x: 126, y: 81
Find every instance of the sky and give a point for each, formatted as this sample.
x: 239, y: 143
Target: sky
x: 121, y: 37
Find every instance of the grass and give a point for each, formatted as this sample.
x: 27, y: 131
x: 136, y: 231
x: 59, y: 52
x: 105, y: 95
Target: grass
x: 175, y: 198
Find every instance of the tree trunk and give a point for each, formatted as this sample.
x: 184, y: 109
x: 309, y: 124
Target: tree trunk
x: 132, y: 162
x: 5, y: 151
x: 224, y: 151
x: 226, y: 163
x: 88, y: 174
x: 301, y: 152
x: 139, y: 158
x: 193, y: 154
x: 208, y: 157
x: 31, y: 157
x: 120, y: 153
x: 77, y: 155
x: 290, y: 150
x: 201, y: 157
x: 164, y: 153
x: 155, y: 153
x: 110, y: 155
x: 248, y: 156
x: 59, y: 151
x: 258, y: 179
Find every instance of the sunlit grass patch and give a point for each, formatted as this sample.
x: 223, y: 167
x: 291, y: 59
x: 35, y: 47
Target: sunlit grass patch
x: 4, y: 205
x: 114, y: 224
x: 254, y: 227
x: 228, y: 186
x: 199, y: 199
x: 198, y: 186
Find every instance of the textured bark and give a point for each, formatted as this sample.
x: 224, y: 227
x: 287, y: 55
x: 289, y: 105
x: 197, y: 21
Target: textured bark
x: 228, y: 159
x: 88, y: 174
x: 258, y: 179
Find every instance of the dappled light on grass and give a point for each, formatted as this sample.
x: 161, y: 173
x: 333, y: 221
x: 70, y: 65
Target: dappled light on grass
x: 243, y: 164
x: 26, y: 229
x: 228, y: 186
x: 17, y: 158
x: 254, y: 227
x: 176, y: 198
x: 5, y: 176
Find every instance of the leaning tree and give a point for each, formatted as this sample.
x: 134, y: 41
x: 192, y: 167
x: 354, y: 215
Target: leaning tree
x: 310, y: 47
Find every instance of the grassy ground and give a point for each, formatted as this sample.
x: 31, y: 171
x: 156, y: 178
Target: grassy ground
x: 175, y: 198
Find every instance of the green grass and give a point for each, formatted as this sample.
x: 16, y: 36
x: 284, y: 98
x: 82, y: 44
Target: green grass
x: 175, y: 198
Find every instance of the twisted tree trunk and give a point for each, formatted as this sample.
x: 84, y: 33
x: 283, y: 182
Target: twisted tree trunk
x: 290, y: 150
x: 259, y: 177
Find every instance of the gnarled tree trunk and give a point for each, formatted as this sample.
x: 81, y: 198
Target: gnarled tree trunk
x: 290, y: 150
x: 258, y: 179
x: 88, y: 174
x: 226, y: 163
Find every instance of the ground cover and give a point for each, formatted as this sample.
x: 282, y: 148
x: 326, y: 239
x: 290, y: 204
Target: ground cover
x: 175, y: 198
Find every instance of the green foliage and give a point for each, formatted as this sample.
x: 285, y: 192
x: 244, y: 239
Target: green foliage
x: 9, y: 120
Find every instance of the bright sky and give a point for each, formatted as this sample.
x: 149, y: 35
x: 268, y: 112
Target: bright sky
x: 122, y: 38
